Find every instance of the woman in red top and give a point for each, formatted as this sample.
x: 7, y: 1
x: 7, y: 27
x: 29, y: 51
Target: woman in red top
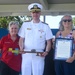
x: 10, y: 60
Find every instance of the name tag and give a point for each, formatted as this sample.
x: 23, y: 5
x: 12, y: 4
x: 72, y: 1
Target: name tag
x: 28, y: 28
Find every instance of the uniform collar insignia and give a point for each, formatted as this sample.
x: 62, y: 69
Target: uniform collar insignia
x: 41, y: 30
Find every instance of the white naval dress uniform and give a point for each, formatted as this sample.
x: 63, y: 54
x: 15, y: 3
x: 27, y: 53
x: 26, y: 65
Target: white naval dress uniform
x: 35, y: 35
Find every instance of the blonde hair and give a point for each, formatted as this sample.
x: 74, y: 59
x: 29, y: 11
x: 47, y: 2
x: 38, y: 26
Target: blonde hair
x: 61, y: 27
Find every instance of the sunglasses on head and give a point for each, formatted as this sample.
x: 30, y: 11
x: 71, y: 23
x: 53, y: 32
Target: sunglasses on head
x: 67, y: 20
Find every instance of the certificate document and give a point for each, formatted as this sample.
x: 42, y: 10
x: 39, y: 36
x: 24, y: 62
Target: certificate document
x: 63, y: 48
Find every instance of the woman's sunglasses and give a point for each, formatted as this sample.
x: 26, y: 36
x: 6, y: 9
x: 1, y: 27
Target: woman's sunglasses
x: 67, y: 20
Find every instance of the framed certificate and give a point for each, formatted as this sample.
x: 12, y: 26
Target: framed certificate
x: 63, y: 48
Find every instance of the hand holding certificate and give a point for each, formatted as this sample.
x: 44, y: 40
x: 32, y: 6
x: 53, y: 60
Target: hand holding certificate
x: 63, y: 48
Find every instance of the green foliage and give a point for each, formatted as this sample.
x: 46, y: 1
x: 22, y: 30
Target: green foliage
x: 4, y: 21
x: 25, y: 18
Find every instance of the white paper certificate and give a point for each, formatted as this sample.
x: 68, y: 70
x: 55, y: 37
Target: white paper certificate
x: 63, y: 48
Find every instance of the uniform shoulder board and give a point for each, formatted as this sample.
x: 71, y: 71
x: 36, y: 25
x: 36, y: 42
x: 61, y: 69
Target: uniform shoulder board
x: 45, y: 23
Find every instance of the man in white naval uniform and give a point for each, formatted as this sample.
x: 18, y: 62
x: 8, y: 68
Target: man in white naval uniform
x: 33, y: 36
